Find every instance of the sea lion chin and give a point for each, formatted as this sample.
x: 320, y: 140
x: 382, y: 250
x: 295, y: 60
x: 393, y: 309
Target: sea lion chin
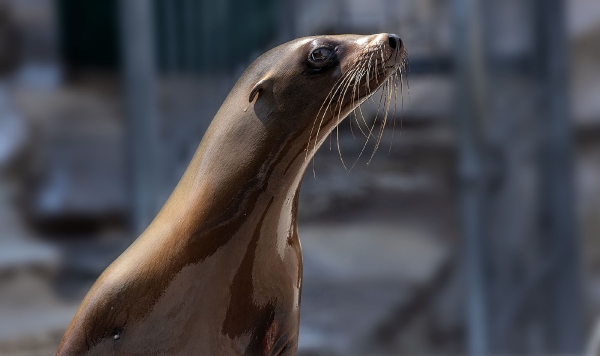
x: 219, y: 270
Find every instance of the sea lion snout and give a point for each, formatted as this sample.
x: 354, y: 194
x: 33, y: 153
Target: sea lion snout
x: 390, y: 41
x: 394, y: 41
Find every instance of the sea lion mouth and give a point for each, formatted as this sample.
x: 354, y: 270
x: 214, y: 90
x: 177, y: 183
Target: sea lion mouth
x: 381, y: 65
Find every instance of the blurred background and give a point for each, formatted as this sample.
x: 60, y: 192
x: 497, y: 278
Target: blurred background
x: 474, y: 229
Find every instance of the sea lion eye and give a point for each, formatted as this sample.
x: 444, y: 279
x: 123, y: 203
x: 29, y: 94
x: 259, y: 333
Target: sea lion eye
x: 321, y: 54
x: 321, y: 57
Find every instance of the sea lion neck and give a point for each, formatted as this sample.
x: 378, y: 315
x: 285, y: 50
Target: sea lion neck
x: 240, y: 164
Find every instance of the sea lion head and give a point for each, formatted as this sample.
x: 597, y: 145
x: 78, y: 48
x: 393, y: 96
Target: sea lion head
x: 304, y: 88
x: 310, y: 84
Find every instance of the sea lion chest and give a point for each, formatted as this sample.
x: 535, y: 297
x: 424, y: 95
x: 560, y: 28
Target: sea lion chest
x: 241, y: 298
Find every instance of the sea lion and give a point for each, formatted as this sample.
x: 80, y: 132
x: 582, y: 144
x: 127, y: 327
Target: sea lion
x: 219, y: 270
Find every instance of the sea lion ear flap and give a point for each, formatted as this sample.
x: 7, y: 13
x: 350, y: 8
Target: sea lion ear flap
x: 262, y: 85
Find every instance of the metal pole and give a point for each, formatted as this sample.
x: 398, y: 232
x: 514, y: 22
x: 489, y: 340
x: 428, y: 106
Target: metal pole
x: 190, y: 33
x: 287, y: 23
x: 139, y: 69
x: 469, y: 113
x: 170, y: 13
x: 557, y: 216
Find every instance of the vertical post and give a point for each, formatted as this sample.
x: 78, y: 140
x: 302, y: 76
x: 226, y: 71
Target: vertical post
x: 469, y: 113
x: 139, y: 69
x: 190, y: 33
x: 557, y: 216
x: 287, y: 22
x: 170, y: 14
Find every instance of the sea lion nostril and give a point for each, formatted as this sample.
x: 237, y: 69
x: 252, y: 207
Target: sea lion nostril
x: 393, y: 40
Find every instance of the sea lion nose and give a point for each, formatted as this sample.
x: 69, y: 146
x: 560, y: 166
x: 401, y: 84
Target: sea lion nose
x: 394, y: 41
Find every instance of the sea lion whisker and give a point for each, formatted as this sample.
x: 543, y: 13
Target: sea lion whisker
x: 382, y: 100
x: 329, y: 95
x: 406, y: 71
x: 337, y: 88
x: 367, y: 94
x: 345, y: 85
x: 356, y: 94
x: 343, y: 96
x: 359, y: 76
x: 381, y: 121
x: 353, y: 113
x: 362, y: 115
x: 390, y: 99
x: 370, y: 131
x: 346, y: 77
x: 367, y: 65
x: 395, y: 81
x: 342, y: 82
x: 372, y: 91
x: 354, y: 83
x: 365, y: 69
x: 386, y: 107
x: 340, y: 103
x: 390, y: 91
x: 337, y: 134
x: 369, y: 72
x: 353, y: 102
x: 401, y: 76
x: 375, y: 72
x: 401, y: 73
